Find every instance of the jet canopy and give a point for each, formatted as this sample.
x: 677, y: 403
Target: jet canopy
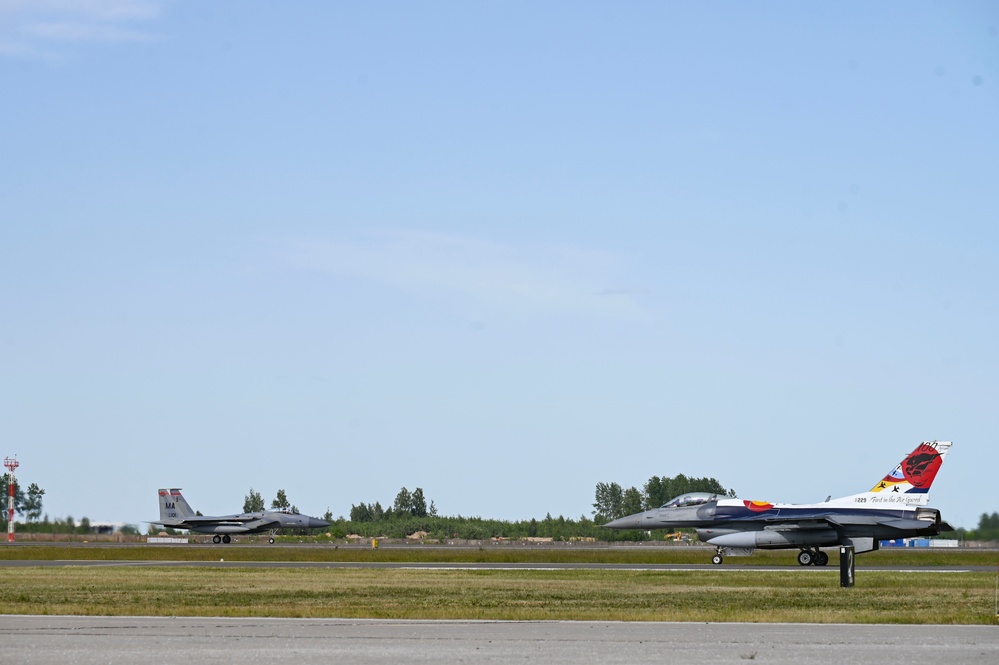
x: 690, y: 499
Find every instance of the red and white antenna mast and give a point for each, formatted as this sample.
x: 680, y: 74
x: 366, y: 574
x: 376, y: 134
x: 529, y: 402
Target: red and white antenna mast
x: 11, y: 463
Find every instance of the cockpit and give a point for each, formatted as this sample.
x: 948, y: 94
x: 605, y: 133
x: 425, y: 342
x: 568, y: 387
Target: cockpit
x: 690, y: 499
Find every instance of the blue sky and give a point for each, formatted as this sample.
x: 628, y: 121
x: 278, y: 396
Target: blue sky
x: 502, y: 251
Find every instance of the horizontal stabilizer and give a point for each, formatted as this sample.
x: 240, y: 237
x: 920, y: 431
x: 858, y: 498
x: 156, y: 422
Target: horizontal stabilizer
x: 797, y: 524
x: 918, y: 526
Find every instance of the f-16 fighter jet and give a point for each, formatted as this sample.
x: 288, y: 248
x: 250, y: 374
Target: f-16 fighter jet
x: 894, y: 508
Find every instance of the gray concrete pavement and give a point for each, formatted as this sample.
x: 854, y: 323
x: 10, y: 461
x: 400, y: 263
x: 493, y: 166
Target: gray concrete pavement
x: 48, y: 640
x: 662, y: 567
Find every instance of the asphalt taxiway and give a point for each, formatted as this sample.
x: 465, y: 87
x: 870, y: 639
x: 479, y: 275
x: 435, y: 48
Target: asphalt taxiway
x: 222, y: 562
x: 45, y: 640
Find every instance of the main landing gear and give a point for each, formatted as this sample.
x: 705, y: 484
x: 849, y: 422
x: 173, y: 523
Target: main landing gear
x: 814, y: 557
x: 221, y: 539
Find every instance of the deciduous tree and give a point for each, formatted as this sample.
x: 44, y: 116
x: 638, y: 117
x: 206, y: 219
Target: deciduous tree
x: 33, y: 502
x: 403, y: 502
x: 253, y: 503
x: 280, y: 502
x: 418, y: 503
x: 608, y: 500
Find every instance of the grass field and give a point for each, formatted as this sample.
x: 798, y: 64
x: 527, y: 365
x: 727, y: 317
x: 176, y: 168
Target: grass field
x: 485, y: 554
x: 723, y: 594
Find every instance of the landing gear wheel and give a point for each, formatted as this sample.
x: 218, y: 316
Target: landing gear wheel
x: 270, y: 540
x: 805, y: 558
x: 226, y: 539
x: 716, y: 559
x: 216, y: 539
x: 821, y: 558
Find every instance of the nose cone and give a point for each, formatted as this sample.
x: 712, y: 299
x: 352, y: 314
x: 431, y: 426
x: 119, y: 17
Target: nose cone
x: 316, y: 523
x: 629, y: 522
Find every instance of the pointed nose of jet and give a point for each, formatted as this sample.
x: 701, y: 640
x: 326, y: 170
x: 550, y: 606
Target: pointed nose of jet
x: 629, y: 522
x: 316, y: 523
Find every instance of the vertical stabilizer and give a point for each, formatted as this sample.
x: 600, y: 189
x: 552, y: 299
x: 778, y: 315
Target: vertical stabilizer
x: 173, y: 506
x: 909, y: 482
x: 916, y: 472
x: 183, y: 508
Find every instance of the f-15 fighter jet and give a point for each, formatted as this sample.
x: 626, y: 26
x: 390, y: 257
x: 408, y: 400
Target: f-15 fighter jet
x: 176, y: 513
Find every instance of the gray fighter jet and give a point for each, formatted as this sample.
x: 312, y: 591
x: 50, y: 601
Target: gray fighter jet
x: 894, y: 508
x: 176, y: 513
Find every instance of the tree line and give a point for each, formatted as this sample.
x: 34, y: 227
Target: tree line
x: 411, y: 513
x: 988, y: 528
x: 27, y: 503
x: 407, y: 504
x: 254, y: 502
x: 612, y: 502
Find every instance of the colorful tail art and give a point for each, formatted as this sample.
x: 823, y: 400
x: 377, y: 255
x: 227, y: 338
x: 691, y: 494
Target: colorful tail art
x: 915, y: 474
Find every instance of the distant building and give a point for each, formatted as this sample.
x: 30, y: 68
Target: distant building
x: 107, y: 528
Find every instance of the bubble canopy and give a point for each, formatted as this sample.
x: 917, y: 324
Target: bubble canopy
x: 690, y: 499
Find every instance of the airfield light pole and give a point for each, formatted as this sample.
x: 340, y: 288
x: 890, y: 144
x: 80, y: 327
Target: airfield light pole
x: 11, y: 463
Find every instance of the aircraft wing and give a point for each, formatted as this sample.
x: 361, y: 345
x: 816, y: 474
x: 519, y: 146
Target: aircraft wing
x: 799, y: 523
x: 234, y: 521
x: 907, y: 524
x: 843, y: 521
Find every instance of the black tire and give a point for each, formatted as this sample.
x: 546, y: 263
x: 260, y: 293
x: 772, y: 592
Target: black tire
x: 270, y: 540
x: 805, y: 558
x: 216, y: 539
x: 717, y: 559
x: 226, y: 539
x: 821, y: 558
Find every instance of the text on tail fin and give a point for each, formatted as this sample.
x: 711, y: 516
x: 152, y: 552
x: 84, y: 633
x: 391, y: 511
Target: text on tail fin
x: 915, y: 473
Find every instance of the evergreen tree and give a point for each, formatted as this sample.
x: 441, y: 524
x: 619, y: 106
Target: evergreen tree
x: 988, y: 522
x: 988, y: 527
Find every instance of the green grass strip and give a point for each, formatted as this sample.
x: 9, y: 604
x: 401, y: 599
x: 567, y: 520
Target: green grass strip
x: 711, y: 595
x: 484, y: 554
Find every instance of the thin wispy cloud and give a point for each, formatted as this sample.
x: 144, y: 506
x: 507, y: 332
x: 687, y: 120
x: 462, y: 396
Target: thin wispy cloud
x: 475, y: 273
x: 45, y: 29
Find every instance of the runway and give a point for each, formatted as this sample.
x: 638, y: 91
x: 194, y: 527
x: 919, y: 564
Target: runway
x: 235, y: 563
x: 45, y: 640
